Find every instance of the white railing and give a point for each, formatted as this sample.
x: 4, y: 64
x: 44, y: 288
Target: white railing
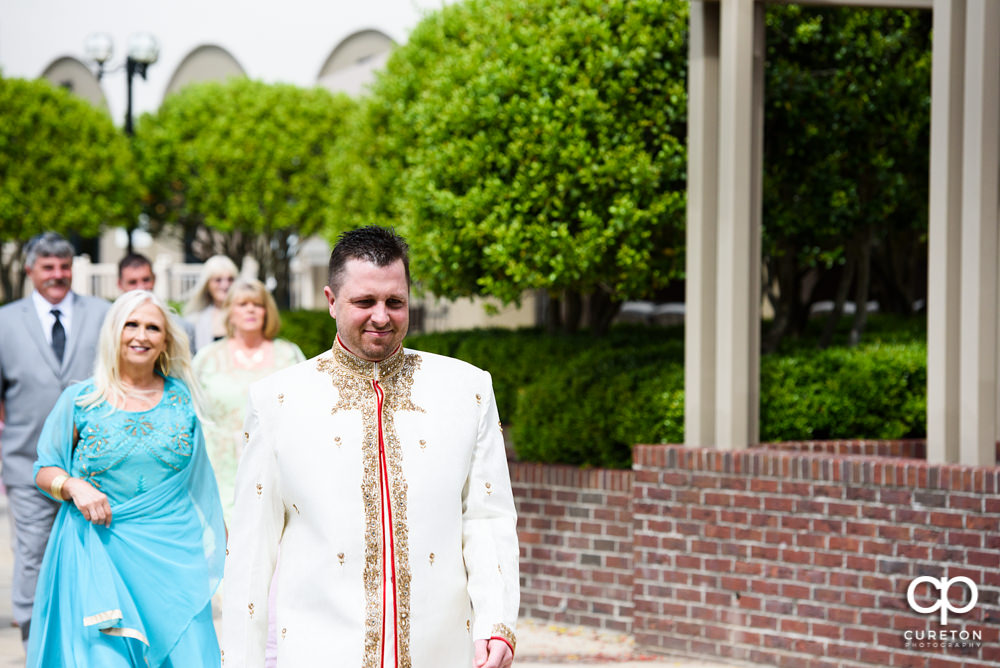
x: 174, y: 280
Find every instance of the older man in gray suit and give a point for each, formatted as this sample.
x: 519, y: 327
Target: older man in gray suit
x: 47, y: 341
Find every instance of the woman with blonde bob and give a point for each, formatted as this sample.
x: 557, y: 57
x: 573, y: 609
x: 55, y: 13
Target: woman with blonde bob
x: 137, y: 548
x: 225, y: 370
x: 204, y: 308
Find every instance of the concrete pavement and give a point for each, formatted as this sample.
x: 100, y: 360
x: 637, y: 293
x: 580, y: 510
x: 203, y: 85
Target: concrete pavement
x: 539, y: 645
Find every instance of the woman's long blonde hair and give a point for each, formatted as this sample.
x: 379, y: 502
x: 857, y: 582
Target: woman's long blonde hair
x: 174, y: 361
x: 201, y: 298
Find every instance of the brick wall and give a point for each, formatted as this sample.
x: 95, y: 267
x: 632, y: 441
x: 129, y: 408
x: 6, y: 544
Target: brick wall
x: 575, y: 529
x: 803, y: 560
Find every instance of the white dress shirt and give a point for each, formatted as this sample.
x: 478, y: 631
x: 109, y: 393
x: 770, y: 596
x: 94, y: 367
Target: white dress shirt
x: 44, y: 310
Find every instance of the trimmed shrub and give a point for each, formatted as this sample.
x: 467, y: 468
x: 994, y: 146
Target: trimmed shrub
x: 312, y: 331
x: 874, y: 391
x: 590, y: 412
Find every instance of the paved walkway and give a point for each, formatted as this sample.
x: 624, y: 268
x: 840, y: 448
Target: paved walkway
x: 539, y: 644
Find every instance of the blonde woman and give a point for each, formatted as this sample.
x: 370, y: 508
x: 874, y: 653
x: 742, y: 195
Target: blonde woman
x: 138, y: 545
x: 225, y: 370
x: 204, y: 308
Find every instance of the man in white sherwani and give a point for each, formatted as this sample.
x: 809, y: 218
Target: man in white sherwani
x: 381, y: 471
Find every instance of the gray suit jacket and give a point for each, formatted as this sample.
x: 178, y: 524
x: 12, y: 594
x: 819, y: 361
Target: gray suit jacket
x: 31, y: 379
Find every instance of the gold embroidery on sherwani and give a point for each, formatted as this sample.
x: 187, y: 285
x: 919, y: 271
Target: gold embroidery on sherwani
x: 505, y: 632
x: 355, y: 381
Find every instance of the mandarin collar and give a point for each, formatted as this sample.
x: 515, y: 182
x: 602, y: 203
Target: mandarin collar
x: 390, y: 366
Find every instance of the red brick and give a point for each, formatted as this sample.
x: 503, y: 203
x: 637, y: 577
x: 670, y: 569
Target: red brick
x: 718, y: 532
x: 828, y: 595
x: 796, y: 556
x: 809, y: 610
x: 838, y: 651
x: 840, y: 579
x: 829, y: 560
x: 858, y: 563
x: 842, y: 509
x: 793, y: 626
x: 980, y: 523
x: 876, y: 620
x: 732, y: 517
x: 914, y: 552
x: 810, y: 541
x: 808, y: 647
x: 863, y: 636
x: 702, y: 514
x: 828, y: 526
x: 749, y: 535
x: 764, y: 622
x: 875, y: 657
x: 925, y: 535
x: 843, y: 616
x: 809, y: 506
x: 878, y: 548
x: 826, y: 630
x: 946, y: 520
x: 966, y: 502
x: 906, y: 660
x: 778, y: 504
x: 763, y: 486
x: 764, y: 552
x: 875, y: 512
x: 861, y: 529
x: 894, y: 533
x: 777, y: 537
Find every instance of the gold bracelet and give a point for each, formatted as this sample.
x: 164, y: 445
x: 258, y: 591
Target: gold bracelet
x: 55, y: 489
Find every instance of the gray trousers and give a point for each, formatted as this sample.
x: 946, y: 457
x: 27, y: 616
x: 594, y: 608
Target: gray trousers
x: 32, y: 513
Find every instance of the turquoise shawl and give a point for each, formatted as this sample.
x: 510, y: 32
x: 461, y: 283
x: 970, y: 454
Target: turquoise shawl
x: 147, y: 575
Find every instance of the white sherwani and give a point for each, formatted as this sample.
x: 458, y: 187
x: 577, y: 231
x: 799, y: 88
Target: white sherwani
x: 387, y: 486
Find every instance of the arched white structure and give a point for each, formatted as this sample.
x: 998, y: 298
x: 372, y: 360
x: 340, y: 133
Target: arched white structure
x: 204, y: 63
x: 352, y: 64
x: 70, y: 73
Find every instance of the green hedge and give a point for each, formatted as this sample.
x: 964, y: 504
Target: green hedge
x: 313, y: 331
x: 576, y: 399
x: 872, y: 391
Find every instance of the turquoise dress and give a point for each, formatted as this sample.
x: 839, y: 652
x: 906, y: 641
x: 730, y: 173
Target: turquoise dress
x: 137, y: 593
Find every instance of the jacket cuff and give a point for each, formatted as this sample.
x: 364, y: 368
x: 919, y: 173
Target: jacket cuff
x: 506, y: 634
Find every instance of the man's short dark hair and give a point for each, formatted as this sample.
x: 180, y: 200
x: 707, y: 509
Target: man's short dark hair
x: 133, y: 260
x: 379, y: 245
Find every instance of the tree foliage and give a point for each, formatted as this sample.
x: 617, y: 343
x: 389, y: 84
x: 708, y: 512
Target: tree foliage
x: 847, y: 127
x: 64, y: 167
x: 242, y: 167
x: 526, y: 145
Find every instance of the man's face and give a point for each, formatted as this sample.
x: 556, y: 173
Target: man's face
x: 138, y: 277
x: 372, y: 308
x: 52, y: 277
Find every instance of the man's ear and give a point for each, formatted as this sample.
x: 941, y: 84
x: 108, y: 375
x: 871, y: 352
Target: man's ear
x: 330, y: 298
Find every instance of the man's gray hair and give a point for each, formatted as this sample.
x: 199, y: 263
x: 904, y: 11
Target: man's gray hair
x: 48, y: 244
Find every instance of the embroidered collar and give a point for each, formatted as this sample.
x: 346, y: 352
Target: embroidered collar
x: 390, y: 366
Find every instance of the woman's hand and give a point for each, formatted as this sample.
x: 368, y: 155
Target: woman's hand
x: 91, y: 502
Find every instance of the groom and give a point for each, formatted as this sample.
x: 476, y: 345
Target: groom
x: 382, y: 473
